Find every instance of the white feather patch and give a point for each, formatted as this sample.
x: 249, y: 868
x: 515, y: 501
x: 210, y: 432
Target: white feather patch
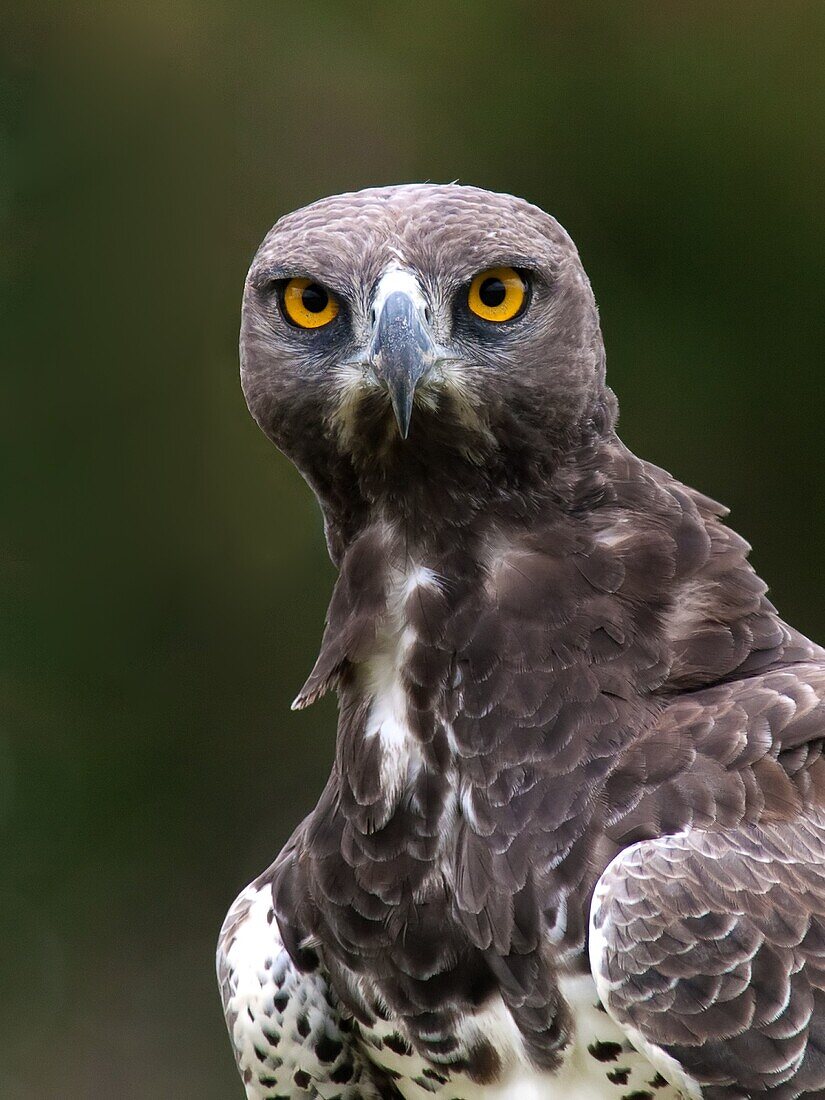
x: 388, y: 718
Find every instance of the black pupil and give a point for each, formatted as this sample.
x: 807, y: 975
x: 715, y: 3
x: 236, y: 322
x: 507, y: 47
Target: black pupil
x: 314, y: 298
x: 492, y: 292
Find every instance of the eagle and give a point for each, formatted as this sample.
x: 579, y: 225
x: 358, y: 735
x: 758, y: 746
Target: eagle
x: 572, y: 846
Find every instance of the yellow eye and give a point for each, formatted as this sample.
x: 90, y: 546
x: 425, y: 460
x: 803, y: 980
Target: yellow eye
x: 497, y: 294
x: 309, y: 305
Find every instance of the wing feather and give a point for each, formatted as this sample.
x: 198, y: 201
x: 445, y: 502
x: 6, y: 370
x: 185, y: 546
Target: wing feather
x: 711, y: 946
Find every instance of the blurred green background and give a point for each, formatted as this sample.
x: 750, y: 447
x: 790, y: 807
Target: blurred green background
x: 162, y: 568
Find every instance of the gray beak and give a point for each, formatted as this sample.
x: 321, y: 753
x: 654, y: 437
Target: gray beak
x: 401, y: 351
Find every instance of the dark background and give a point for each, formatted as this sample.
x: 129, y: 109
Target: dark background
x: 162, y: 569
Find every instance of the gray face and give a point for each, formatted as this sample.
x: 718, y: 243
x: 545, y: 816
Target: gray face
x: 406, y: 367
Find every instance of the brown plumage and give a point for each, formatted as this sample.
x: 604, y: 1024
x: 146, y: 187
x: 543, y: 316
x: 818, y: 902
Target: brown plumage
x: 557, y: 674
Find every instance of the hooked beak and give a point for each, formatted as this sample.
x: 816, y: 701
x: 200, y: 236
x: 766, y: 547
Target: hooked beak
x: 402, y: 350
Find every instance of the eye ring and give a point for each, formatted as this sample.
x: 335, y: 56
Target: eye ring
x: 307, y: 304
x: 497, y: 294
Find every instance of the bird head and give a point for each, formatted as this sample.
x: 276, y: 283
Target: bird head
x: 422, y: 328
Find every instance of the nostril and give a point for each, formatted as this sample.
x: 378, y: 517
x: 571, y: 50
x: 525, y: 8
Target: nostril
x: 373, y: 316
x: 428, y: 315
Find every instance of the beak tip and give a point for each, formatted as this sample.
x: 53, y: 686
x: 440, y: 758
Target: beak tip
x: 403, y: 426
x: 402, y: 407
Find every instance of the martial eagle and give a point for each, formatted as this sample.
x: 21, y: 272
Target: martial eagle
x: 573, y: 842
